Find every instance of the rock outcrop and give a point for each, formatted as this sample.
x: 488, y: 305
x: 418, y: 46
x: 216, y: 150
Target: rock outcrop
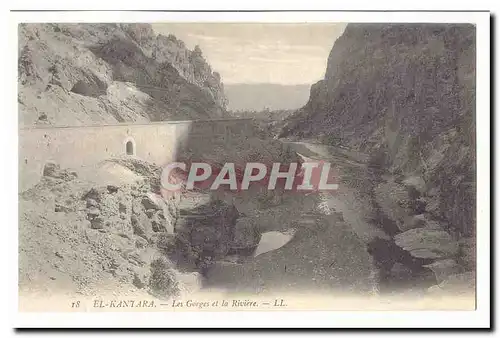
x: 204, y: 229
x: 427, y: 243
x: 71, y: 74
x: 102, y: 233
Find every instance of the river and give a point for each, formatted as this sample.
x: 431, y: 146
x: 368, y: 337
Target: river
x: 315, y: 242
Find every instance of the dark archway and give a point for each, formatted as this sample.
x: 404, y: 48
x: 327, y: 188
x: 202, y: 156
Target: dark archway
x: 129, y: 147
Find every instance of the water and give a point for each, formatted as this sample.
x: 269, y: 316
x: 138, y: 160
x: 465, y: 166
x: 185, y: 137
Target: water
x: 273, y: 240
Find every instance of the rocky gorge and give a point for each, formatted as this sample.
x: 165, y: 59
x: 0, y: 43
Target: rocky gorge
x: 108, y: 223
x: 395, y: 114
x: 111, y: 226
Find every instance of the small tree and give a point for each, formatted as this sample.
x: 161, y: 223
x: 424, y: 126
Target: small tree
x: 197, y: 51
x: 162, y: 282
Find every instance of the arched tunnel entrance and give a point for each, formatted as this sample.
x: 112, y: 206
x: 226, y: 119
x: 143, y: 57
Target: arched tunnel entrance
x: 130, y: 148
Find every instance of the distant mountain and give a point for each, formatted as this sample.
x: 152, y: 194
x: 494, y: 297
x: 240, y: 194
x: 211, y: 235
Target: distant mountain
x: 82, y: 73
x: 266, y: 95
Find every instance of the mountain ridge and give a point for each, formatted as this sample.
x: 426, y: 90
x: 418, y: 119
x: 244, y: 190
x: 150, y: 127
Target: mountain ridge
x: 75, y: 74
x: 262, y: 96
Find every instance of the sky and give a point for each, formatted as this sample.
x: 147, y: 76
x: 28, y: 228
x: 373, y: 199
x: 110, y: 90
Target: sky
x: 261, y: 53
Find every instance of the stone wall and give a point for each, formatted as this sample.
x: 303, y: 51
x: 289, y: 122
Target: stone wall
x: 74, y: 147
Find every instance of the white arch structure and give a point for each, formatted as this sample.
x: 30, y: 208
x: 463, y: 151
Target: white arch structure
x: 130, y: 146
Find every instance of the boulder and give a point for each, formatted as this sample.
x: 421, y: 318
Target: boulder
x: 122, y: 208
x: 50, y: 169
x: 92, y: 203
x: 415, y: 181
x: 112, y: 189
x: 162, y: 215
x: 134, y: 258
x: 62, y: 207
x: 158, y: 222
x: 420, y: 221
x: 95, y: 194
x: 190, y: 282
x: 152, y: 201
x: 93, y: 212
x: 434, y: 225
x: 141, y: 226
x: 97, y: 223
x: 53, y: 170
x: 427, y: 243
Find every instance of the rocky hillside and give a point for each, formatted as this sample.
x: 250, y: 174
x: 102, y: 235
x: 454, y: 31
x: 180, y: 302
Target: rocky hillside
x: 106, y: 73
x: 405, y: 94
x: 110, y: 228
x: 78, y: 236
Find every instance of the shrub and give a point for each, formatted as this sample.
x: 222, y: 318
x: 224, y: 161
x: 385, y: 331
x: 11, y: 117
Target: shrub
x: 162, y: 282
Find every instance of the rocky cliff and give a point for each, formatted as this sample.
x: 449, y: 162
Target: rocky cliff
x: 107, y: 73
x: 405, y: 93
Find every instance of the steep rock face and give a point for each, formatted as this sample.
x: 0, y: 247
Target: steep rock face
x: 406, y: 91
x: 108, y: 73
x: 204, y: 229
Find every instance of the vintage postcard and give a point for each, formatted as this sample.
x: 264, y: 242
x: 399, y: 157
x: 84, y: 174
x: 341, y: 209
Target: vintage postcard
x: 261, y: 164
